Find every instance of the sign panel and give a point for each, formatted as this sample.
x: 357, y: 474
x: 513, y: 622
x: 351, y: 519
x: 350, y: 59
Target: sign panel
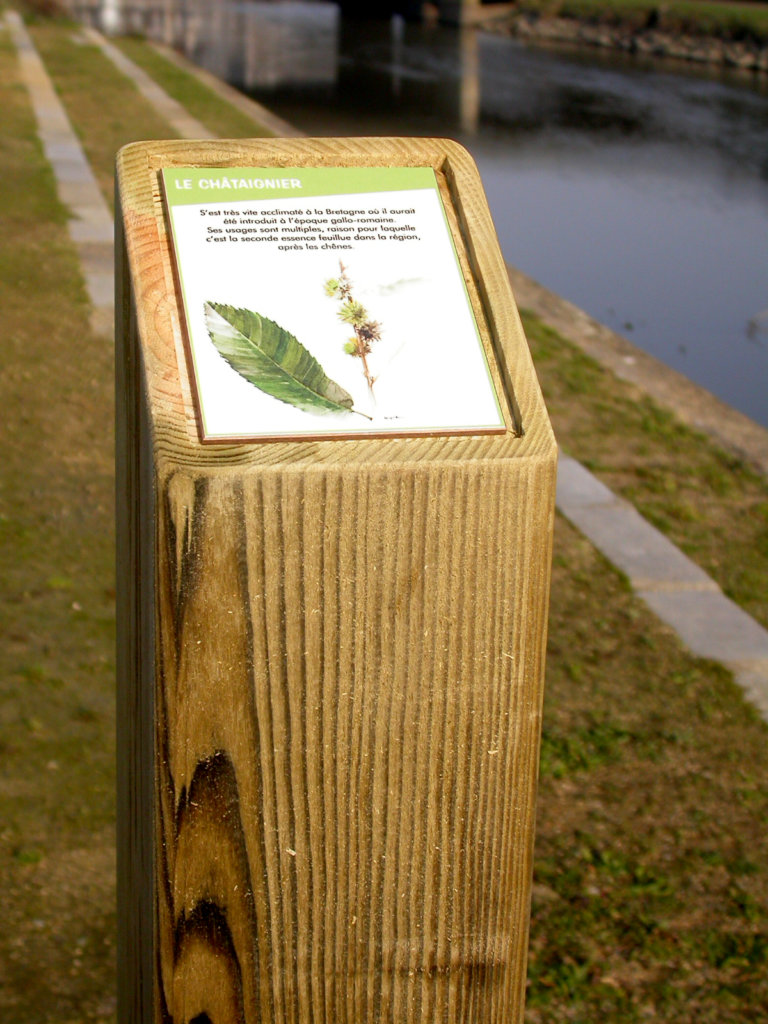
x: 325, y: 302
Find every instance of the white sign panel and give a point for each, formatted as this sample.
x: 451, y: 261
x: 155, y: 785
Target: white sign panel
x: 325, y: 302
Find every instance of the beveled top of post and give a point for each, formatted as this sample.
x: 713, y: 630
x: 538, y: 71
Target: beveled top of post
x: 147, y: 282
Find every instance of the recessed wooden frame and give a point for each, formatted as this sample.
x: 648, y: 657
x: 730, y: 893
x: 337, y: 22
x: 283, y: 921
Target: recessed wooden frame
x: 330, y: 662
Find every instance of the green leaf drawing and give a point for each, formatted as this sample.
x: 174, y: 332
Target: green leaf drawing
x: 273, y: 360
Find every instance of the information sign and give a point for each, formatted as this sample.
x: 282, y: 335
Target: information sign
x: 325, y: 302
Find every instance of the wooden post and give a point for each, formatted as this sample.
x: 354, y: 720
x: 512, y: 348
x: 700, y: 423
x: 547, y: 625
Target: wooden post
x: 331, y: 659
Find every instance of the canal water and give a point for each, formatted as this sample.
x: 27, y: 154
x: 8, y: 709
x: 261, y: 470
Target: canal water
x: 637, y: 191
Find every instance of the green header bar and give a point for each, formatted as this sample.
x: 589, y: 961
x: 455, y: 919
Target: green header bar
x: 195, y: 185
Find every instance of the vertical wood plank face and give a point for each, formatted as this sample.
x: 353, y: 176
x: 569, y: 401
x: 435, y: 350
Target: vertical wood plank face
x: 346, y: 745
x: 346, y: 666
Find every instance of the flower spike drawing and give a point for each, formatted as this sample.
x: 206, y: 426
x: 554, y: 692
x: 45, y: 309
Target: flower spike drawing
x: 354, y: 313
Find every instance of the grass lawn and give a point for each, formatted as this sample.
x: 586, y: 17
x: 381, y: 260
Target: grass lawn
x: 651, y: 875
x: 650, y: 882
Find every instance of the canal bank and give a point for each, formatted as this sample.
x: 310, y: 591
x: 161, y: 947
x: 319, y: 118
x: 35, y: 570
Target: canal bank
x: 692, y: 404
x: 646, y: 39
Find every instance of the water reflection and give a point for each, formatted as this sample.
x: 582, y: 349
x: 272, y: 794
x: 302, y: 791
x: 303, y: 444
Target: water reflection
x: 380, y: 71
x: 266, y: 45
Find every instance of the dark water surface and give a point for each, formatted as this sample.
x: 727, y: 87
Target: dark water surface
x: 640, y: 193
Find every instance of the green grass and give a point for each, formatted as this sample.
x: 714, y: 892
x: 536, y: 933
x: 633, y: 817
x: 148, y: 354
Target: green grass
x: 220, y: 117
x: 733, y: 21
x: 650, y: 881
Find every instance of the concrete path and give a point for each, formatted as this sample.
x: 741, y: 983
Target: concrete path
x: 91, y: 224
x: 675, y: 588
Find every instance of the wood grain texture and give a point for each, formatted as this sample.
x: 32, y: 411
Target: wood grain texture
x: 332, y: 659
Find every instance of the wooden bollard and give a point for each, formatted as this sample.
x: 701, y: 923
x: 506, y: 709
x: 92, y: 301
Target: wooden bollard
x: 331, y: 648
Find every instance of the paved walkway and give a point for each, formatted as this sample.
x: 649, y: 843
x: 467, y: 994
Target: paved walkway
x: 677, y: 590
x: 91, y: 224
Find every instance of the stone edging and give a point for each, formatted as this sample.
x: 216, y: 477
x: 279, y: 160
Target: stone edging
x: 677, y: 590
